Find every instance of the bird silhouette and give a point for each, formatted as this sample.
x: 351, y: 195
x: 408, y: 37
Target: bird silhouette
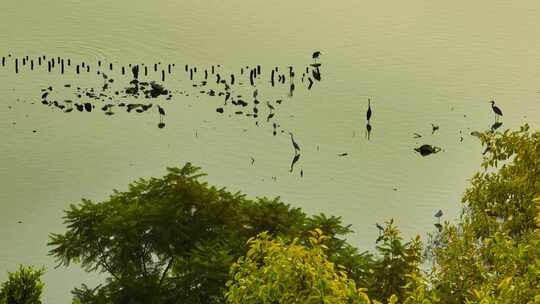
x: 294, y: 143
x: 438, y: 214
x: 368, y: 114
x: 496, y: 110
x: 161, y: 111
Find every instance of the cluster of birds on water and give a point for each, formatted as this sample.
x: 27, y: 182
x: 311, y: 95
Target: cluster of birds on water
x: 141, y: 96
x: 427, y: 149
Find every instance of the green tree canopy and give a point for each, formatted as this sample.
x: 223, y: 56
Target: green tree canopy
x: 173, y: 239
x: 492, y: 255
x: 23, y: 286
x: 276, y: 272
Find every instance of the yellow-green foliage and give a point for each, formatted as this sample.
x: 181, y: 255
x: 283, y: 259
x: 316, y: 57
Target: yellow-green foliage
x: 493, y: 254
x: 276, y: 272
x: 398, y: 261
x: 22, y: 287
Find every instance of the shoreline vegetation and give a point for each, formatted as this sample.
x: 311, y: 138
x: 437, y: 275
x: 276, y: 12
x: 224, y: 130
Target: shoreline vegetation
x: 176, y: 239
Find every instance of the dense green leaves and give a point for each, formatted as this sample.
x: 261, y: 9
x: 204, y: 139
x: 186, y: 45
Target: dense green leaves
x: 22, y: 287
x: 173, y: 239
x: 276, y: 272
x: 502, y: 196
x: 398, y: 260
x: 176, y: 239
x: 493, y: 255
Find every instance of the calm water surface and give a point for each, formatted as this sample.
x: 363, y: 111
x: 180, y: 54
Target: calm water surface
x: 421, y: 62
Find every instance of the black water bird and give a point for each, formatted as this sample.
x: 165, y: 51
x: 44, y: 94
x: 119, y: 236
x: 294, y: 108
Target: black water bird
x: 496, y: 110
x: 316, y: 74
x: 438, y: 214
x: 368, y: 113
x: 294, y: 143
x: 161, y: 111
x: 416, y: 135
x: 426, y: 150
x: 343, y: 154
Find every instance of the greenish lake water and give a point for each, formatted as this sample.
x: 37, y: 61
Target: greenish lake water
x: 420, y: 62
